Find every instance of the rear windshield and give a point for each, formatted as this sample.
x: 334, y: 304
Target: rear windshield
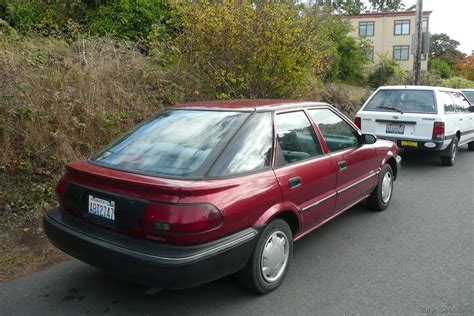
x: 469, y: 95
x: 402, y: 100
x: 175, y: 143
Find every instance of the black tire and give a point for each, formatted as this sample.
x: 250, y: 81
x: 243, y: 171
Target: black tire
x: 449, y: 155
x: 252, y: 276
x: 376, y: 201
x: 470, y: 146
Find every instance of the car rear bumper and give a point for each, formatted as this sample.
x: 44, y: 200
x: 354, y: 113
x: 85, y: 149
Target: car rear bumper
x: 416, y: 144
x: 147, y: 262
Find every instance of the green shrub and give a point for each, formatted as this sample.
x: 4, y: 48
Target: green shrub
x: 458, y: 83
x: 442, y: 68
x: 387, y: 72
x: 430, y: 79
x: 128, y: 19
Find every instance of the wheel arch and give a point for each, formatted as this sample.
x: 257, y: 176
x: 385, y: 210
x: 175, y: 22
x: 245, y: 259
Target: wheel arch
x: 285, y: 211
x: 393, y: 163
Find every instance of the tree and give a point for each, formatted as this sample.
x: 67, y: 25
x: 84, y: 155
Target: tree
x: 442, y: 68
x: 445, y: 48
x: 386, y: 5
x: 465, y: 67
x: 350, y: 7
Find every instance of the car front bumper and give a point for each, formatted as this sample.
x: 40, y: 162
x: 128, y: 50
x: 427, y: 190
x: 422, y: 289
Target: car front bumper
x: 147, y: 262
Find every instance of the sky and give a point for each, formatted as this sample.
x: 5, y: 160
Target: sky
x: 453, y: 17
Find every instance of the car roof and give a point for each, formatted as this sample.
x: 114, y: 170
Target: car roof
x: 248, y: 104
x: 467, y: 89
x: 408, y: 87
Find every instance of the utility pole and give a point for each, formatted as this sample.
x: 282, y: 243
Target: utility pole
x: 418, y: 43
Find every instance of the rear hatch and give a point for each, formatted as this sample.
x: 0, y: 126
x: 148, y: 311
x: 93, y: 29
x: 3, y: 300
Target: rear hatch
x: 414, y: 126
x: 114, y: 199
x: 400, y: 113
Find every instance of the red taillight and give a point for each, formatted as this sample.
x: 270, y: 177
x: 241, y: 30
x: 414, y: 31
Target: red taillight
x: 358, y: 122
x: 163, y: 219
x: 61, y: 188
x: 438, y: 130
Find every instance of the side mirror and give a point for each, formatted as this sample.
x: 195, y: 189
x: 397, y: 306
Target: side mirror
x: 471, y: 108
x: 368, y: 139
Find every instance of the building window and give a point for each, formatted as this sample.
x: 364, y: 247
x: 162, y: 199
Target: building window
x: 401, y: 52
x: 402, y: 27
x: 366, y: 28
x: 369, y: 52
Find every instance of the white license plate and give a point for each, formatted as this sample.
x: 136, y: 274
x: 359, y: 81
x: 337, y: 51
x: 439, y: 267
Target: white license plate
x: 395, y: 129
x: 102, y: 208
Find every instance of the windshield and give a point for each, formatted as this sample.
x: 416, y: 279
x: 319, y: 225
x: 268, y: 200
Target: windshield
x: 402, y: 100
x: 173, y: 143
x: 469, y: 95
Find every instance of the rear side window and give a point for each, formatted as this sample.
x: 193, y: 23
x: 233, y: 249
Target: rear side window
x: 466, y: 105
x: 296, y: 139
x: 396, y: 100
x: 337, y: 133
x: 178, y: 143
x: 460, y: 103
x: 250, y: 150
x: 448, y: 102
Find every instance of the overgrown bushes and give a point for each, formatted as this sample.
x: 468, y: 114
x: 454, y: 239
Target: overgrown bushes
x: 125, y: 19
x: 61, y: 101
x: 236, y: 49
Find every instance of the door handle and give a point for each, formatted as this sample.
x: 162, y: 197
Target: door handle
x: 460, y: 119
x: 342, y: 165
x: 294, y: 182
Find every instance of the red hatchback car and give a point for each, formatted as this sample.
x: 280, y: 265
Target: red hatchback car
x: 208, y: 189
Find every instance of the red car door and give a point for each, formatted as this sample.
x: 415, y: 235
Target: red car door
x: 357, y: 171
x: 306, y: 175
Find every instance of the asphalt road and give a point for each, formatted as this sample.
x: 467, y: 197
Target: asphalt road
x: 417, y: 257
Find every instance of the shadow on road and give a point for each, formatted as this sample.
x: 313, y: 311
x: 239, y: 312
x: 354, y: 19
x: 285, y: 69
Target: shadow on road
x: 425, y: 159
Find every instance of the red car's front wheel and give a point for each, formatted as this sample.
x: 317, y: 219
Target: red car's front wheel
x: 381, y: 196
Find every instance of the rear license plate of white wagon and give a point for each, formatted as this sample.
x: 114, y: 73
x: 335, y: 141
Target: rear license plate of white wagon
x: 395, y: 129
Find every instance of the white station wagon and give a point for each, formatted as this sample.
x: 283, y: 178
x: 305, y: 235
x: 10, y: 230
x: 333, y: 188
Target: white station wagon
x: 420, y: 118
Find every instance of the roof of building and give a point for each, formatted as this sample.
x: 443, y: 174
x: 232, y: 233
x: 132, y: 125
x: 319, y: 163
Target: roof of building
x: 248, y: 104
x: 385, y: 14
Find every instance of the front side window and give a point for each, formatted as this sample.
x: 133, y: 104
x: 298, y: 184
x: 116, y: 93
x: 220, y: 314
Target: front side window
x: 402, y: 27
x: 337, y: 133
x: 402, y: 100
x: 296, y: 139
x: 401, y: 52
x: 177, y: 143
x: 250, y: 150
x: 448, y: 102
x: 366, y: 28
